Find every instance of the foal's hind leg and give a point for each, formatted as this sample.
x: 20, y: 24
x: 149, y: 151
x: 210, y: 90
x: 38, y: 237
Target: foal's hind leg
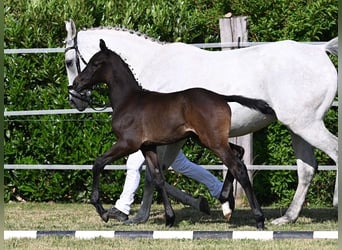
x: 238, y: 150
x: 166, y: 155
x: 227, y: 198
x: 239, y: 171
x: 158, y: 178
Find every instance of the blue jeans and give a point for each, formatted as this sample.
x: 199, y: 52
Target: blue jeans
x: 184, y: 166
x: 181, y: 165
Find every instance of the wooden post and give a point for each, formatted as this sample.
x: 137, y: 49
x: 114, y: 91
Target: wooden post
x: 234, y: 29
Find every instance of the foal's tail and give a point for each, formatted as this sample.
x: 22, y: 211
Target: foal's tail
x: 256, y: 104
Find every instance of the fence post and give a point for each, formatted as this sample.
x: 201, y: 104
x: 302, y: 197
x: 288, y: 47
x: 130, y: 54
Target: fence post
x: 234, y: 29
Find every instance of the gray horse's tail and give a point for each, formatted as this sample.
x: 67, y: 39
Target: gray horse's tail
x: 332, y: 46
x: 256, y: 104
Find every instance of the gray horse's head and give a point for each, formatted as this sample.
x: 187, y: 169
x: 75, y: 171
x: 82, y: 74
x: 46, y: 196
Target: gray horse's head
x: 74, y: 63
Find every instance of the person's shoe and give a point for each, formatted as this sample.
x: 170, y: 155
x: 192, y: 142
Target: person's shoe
x: 114, y: 213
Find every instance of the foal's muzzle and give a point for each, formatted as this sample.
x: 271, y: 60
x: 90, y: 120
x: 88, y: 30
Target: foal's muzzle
x: 80, y: 100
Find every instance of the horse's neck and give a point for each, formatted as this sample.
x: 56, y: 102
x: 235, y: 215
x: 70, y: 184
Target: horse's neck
x: 135, y: 49
x: 122, y: 84
x: 119, y: 96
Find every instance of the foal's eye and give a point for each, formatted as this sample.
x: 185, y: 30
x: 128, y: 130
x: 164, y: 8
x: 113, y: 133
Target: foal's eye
x: 97, y: 63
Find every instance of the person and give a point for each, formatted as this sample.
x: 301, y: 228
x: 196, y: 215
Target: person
x: 181, y: 164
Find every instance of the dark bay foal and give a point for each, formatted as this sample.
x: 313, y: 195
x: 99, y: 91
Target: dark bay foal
x: 144, y: 119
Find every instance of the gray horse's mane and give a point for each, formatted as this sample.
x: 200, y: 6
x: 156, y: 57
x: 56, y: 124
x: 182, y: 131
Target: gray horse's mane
x: 124, y: 29
x: 132, y: 32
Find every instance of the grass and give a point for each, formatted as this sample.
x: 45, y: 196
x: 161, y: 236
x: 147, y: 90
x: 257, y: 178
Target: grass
x: 55, y: 216
x: 103, y: 244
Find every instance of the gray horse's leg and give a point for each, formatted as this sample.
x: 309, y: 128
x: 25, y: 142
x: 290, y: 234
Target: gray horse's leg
x: 317, y: 135
x: 306, y: 168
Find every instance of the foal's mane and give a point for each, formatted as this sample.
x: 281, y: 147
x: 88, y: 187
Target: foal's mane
x: 125, y: 30
x: 123, y: 61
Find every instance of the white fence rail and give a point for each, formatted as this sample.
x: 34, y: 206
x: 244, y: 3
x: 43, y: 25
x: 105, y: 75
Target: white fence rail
x: 123, y: 167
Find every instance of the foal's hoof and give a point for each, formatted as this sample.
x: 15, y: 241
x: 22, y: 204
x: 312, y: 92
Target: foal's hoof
x: 227, y: 212
x: 105, y: 217
x: 170, y: 221
x: 204, y: 205
x: 260, y: 225
x: 227, y: 216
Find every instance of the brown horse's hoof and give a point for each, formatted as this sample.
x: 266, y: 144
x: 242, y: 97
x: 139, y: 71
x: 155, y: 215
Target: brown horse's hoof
x: 170, y: 221
x: 260, y: 222
x: 227, y: 212
x: 228, y: 216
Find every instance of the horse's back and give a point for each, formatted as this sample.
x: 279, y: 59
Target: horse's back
x: 228, y: 72
x: 288, y: 75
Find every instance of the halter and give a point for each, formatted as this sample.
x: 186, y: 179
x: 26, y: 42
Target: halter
x: 81, y: 96
x: 84, y: 96
x: 78, y: 54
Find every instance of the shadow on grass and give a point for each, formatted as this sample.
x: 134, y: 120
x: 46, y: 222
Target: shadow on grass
x: 243, y: 216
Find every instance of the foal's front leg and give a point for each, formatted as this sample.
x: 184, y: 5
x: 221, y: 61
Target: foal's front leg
x: 158, y: 178
x: 117, y: 151
x: 95, y: 195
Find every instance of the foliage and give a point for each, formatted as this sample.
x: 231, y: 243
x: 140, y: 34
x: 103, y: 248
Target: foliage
x: 299, y: 20
x: 38, y: 81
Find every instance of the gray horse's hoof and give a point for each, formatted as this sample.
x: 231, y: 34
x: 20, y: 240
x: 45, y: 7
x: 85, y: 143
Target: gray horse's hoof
x: 129, y: 222
x: 114, y: 213
x: 136, y: 220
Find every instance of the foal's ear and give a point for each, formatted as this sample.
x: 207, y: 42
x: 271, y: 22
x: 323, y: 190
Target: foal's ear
x: 103, y: 46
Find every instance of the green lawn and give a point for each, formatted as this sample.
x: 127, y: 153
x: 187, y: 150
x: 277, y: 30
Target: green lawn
x: 54, y: 216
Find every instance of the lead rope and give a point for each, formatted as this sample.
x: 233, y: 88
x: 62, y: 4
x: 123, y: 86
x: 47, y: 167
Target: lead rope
x: 91, y: 104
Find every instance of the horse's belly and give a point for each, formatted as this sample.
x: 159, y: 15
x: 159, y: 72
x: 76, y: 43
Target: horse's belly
x: 245, y: 120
